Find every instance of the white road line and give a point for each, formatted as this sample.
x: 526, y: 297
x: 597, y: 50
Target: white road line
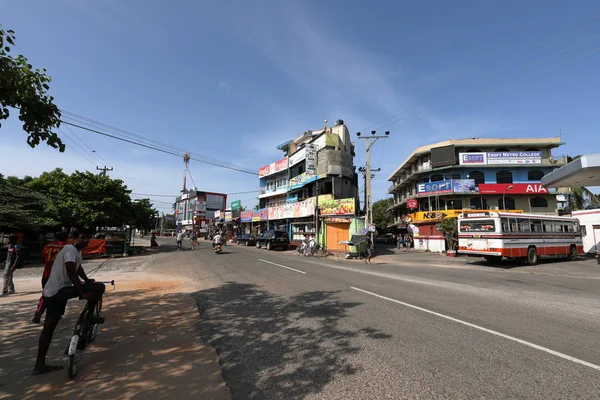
x: 282, y: 266
x: 502, y: 335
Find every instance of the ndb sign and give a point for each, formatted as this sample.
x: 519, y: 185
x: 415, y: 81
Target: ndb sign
x: 434, y: 188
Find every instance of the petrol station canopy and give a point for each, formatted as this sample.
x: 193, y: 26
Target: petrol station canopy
x: 583, y: 171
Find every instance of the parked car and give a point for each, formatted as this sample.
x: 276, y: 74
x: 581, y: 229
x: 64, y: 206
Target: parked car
x: 388, y: 238
x: 246, y: 240
x: 272, y: 239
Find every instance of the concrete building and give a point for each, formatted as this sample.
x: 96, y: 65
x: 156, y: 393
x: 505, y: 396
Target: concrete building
x: 197, y: 208
x: 476, y: 173
x: 317, y: 167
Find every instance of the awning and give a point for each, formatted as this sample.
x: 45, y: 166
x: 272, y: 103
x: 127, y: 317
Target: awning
x: 584, y: 171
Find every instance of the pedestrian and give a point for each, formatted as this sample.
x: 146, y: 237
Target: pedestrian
x: 180, y: 240
x: 369, y: 244
x: 194, y: 240
x: 153, y: 242
x: 49, y: 253
x: 408, y: 240
x: 400, y: 243
x: 12, y: 262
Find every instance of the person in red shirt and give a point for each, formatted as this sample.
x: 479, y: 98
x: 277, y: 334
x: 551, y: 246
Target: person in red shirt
x: 49, y: 253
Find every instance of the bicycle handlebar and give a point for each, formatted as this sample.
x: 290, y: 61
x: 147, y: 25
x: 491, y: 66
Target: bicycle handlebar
x: 112, y: 283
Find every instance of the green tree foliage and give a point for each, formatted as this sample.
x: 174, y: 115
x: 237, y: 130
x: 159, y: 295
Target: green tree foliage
x: 382, y: 218
x: 24, y: 88
x: 21, y: 209
x: 449, y: 227
x: 142, y: 214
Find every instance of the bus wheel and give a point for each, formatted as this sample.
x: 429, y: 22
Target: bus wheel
x: 573, y: 253
x: 532, y: 256
x: 492, y: 259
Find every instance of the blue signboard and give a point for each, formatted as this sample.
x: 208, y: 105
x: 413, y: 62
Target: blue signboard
x: 434, y: 188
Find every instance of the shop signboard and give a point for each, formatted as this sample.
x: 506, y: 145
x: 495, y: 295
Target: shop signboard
x: 218, y: 214
x: 263, y: 215
x: 246, y: 216
x: 299, y: 209
x: 501, y: 158
x: 236, y: 205
x: 228, y: 216
x: 292, y: 198
x: 297, y: 157
x: 256, y: 216
x: 302, y: 179
x: 201, y: 206
x: 311, y: 158
x: 517, y: 188
x: 337, y: 207
x: 412, y: 204
x: 434, y: 188
x: 463, y: 185
x: 273, y: 168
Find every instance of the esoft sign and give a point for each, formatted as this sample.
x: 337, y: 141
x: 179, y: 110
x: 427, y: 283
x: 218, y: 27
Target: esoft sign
x: 517, y: 188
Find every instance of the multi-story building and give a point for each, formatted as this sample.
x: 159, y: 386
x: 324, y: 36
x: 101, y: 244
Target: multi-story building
x: 197, y: 208
x: 317, y: 166
x: 476, y: 173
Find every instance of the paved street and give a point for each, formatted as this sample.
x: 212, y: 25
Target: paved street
x: 291, y: 327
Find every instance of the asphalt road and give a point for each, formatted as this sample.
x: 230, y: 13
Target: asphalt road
x: 290, y: 327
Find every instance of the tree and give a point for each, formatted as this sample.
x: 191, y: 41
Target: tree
x: 20, y: 208
x: 142, y: 214
x: 449, y: 227
x: 84, y: 199
x: 382, y: 217
x: 26, y: 89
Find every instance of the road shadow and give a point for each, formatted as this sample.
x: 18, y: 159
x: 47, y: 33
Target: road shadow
x: 512, y: 264
x: 272, y: 347
x: 147, y: 349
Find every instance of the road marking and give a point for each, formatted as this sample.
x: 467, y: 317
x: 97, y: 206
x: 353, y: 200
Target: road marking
x: 282, y: 266
x: 481, y: 328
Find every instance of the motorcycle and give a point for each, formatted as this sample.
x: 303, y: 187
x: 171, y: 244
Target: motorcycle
x: 218, y: 248
x: 598, y: 257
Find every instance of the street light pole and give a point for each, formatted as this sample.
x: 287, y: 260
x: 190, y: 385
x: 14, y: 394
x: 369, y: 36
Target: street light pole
x: 504, y: 196
x: 370, y: 141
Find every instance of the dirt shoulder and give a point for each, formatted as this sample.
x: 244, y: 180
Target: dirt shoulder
x: 146, y: 349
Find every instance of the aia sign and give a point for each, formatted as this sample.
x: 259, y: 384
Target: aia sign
x: 517, y: 188
x: 412, y: 204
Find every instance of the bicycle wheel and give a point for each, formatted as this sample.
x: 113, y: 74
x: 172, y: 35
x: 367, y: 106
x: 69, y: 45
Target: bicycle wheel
x: 96, y: 313
x: 77, y: 343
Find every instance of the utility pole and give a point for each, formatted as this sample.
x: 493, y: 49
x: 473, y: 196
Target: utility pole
x: 363, y: 171
x: 370, y: 141
x: 104, y: 170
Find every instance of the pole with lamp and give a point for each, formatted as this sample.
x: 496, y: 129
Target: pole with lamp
x: 370, y: 141
x: 504, y: 196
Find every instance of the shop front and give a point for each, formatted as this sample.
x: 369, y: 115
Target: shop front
x: 337, y: 217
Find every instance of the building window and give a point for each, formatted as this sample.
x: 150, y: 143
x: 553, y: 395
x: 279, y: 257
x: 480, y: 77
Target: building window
x: 510, y: 204
x: 454, y: 204
x: 478, y: 203
x: 504, y: 177
x: 502, y: 150
x: 535, y: 175
x: 538, y: 202
x: 437, y: 178
x: 453, y: 176
x: 478, y: 176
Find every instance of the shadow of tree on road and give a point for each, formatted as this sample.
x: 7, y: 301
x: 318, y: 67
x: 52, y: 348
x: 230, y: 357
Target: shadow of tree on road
x: 279, y: 348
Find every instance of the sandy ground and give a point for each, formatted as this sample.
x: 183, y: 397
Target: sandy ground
x: 147, y: 349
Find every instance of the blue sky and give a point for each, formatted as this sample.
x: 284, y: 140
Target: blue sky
x: 233, y: 79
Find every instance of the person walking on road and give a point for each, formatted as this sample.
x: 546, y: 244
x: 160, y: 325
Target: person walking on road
x: 153, y: 242
x: 369, y: 244
x: 49, y: 253
x: 12, y: 262
x: 180, y: 240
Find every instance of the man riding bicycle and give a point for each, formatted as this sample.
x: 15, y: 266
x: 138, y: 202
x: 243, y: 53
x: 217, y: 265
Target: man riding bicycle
x: 64, y: 284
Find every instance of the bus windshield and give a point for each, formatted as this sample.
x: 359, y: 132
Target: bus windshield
x: 481, y: 225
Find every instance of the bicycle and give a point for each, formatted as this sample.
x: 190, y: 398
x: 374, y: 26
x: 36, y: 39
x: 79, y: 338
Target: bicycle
x: 85, y: 332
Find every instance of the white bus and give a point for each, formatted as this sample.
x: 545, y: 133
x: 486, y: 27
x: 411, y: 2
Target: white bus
x: 522, y: 237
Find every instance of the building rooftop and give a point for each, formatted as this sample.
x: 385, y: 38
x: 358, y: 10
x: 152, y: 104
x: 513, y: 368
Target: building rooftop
x: 583, y: 171
x: 479, y: 143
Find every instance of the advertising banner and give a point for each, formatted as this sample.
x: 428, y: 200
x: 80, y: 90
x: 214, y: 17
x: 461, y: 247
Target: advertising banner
x: 273, y: 168
x: 299, y: 209
x: 218, y: 214
x: 263, y: 215
x: 337, y: 207
x: 302, y: 179
x: 236, y: 205
x: 246, y: 216
x: 311, y: 158
x: 434, y: 188
x: 517, y: 188
x: 463, y: 185
x: 228, y: 216
x: 501, y: 158
x: 298, y: 156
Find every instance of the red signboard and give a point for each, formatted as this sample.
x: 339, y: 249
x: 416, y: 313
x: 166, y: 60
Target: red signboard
x: 264, y: 171
x: 517, y: 188
x: 412, y: 203
x: 272, y: 168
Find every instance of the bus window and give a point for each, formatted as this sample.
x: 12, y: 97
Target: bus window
x: 548, y: 226
x: 583, y: 230
x: 505, y: 225
x: 536, y: 226
x: 514, y: 226
x: 558, y: 227
x: 571, y: 227
x: 524, y: 225
x: 482, y: 225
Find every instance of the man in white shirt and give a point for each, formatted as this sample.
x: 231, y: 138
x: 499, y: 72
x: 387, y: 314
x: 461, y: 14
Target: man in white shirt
x: 218, y: 239
x: 64, y: 284
x: 179, y: 240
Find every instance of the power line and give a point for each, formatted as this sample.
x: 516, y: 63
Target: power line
x: 74, y: 149
x: 92, y: 151
x: 156, y: 148
x: 486, y: 72
x: 100, y: 125
x: 154, y: 195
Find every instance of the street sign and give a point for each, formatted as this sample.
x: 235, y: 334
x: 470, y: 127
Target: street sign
x: 412, y: 203
x: 371, y: 227
x: 236, y: 205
